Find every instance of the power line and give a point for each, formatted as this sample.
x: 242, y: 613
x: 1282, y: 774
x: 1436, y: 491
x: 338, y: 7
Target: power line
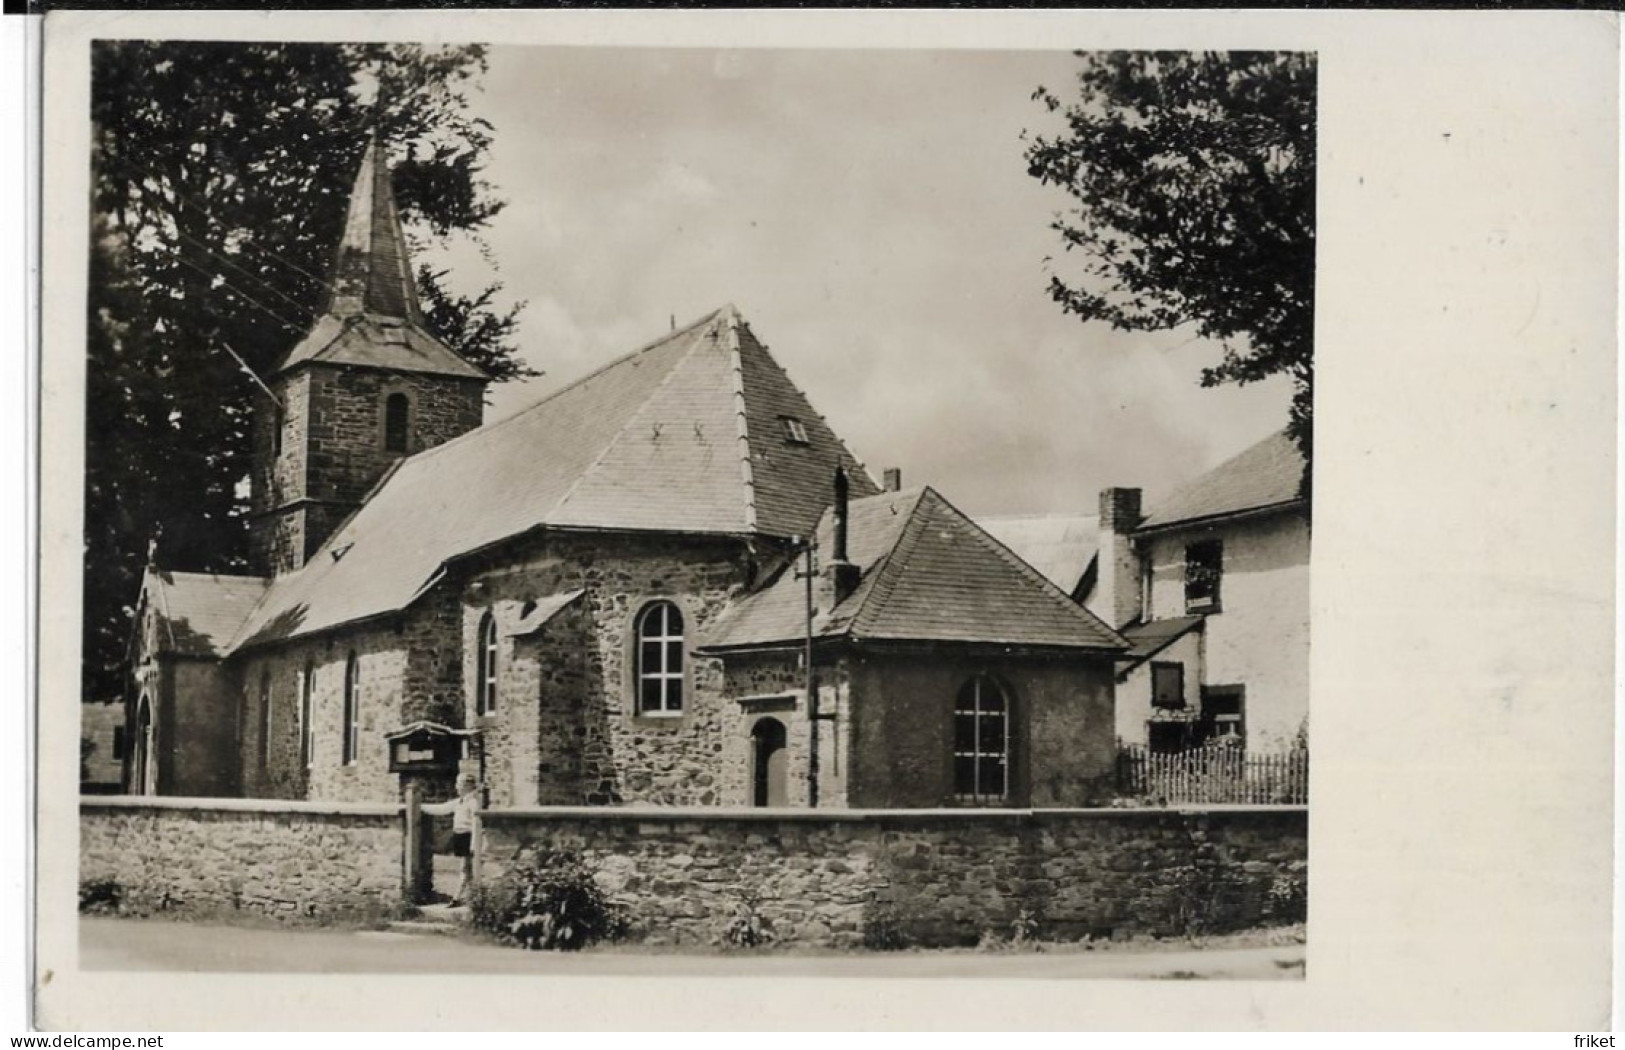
x: 248, y: 240
x: 297, y: 305
x: 216, y: 277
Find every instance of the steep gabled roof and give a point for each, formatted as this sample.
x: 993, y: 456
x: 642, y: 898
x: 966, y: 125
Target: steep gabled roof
x: 928, y: 574
x: 1061, y: 546
x: 673, y: 438
x: 199, y: 613
x: 373, y: 319
x: 1266, y: 475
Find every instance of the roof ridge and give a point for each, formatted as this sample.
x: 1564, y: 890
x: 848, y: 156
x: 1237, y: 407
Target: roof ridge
x: 737, y: 370
x: 212, y: 575
x: 561, y: 391
x: 609, y: 445
x: 1016, y: 562
x: 784, y: 374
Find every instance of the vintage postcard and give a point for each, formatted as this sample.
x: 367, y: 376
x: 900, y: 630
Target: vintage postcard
x: 1023, y: 499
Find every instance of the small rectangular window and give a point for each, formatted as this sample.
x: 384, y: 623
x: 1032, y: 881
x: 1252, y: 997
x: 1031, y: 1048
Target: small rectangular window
x: 118, y: 741
x: 1223, y: 712
x: 795, y: 432
x: 1168, y: 685
x: 1204, y: 565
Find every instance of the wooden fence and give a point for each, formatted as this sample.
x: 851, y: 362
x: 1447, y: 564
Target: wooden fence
x: 1215, y: 774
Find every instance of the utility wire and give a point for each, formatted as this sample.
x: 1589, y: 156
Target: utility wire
x: 216, y: 277
x: 160, y: 205
x: 297, y: 305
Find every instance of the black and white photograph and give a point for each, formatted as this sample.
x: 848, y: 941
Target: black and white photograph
x: 718, y: 512
x: 611, y: 623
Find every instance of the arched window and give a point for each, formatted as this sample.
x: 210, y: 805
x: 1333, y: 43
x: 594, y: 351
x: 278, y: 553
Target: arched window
x: 266, y: 721
x: 352, y: 720
x: 981, y: 742
x: 485, y: 698
x: 307, y: 736
x: 660, y: 660
x: 397, y: 410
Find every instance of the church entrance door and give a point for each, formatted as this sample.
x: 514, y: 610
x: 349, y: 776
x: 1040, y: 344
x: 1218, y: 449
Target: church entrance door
x: 767, y: 739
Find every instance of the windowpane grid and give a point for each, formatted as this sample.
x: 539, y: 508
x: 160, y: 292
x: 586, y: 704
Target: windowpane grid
x: 307, y: 740
x: 660, y: 660
x: 352, y: 679
x: 485, y: 700
x: 981, y: 743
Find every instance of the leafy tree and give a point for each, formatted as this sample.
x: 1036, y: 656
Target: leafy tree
x: 1194, y: 181
x: 220, y: 174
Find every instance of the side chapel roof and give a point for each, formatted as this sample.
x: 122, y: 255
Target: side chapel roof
x: 928, y: 574
x: 199, y: 613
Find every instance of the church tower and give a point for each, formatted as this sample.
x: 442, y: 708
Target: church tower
x: 366, y: 386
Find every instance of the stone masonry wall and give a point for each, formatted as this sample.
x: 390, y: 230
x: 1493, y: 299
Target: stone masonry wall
x: 928, y: 878
x: 613, y: 753
x: 332, y: 449
x: 292, y: 861
x: 346, y: 426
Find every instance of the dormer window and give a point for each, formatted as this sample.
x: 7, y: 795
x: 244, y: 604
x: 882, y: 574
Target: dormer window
x: 795, y: 432
x: 397, y: 415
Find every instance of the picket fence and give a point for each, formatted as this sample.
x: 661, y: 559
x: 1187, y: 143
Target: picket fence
x: 1215, y: 774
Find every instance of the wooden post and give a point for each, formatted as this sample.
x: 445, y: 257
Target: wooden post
x: 414, y: 875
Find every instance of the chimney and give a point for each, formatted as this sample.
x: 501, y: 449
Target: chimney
x: 1117, y: 571
x: 841, y: 574
x: 894, y: 479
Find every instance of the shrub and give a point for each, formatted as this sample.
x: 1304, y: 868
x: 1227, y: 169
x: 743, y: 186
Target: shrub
x: 884, y: 927
x: 100, y: 896
x: 747, y: 928
x: 547, y: 901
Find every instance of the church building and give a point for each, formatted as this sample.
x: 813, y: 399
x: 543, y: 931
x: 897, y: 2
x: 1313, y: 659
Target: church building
x: 667, y: 583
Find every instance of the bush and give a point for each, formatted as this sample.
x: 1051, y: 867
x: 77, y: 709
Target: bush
x: 100, y: 896
x: 547, y: 901
x: 884, y: 927
x: 747, y: 928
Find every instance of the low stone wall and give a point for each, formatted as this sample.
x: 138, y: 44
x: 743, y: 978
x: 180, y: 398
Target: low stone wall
x: 297, y: 861
x: 929, y: 877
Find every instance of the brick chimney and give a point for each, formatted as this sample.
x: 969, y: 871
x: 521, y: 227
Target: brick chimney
x: 893, y: 479
x: 1117, y: 575
x: 839, y: 572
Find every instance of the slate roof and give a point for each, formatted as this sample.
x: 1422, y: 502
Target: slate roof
x: 199, y: 613
x: 543, y: 611
x: 928, y: 573
x: 373, y: 318
x: 682, y: 436
x: 1061, y: 546
x: 1150, y: 638
x: 1266, y: 475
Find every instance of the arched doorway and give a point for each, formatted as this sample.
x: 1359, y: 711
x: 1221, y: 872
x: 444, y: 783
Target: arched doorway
x: 142, y: 767
x: 769, y: 760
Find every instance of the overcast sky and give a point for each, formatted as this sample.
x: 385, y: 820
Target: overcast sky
x: 870, y: 214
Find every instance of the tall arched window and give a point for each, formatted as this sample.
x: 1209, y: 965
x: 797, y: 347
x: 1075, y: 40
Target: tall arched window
x: 352, y: 720
x: 397, y: 412
x: 981, y: 742
x: 266, y: 721
x: 660, y: 660
x: 485, y: 698
x: 307, y: 737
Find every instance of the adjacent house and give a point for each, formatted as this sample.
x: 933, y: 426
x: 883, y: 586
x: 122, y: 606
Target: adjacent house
x: 668, y: 582
x: 1211, y: 589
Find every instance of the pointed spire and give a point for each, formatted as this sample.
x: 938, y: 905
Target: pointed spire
x: 372, y: 273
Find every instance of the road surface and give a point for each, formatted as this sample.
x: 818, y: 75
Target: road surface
x: 155, y: 945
